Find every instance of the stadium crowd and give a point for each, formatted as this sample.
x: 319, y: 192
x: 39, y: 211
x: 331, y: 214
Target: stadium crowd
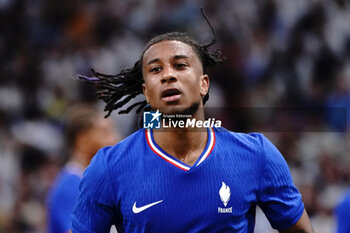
x: 288, y: 58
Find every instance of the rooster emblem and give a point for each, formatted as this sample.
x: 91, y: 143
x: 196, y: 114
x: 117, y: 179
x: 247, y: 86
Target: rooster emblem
x: 225, y: 194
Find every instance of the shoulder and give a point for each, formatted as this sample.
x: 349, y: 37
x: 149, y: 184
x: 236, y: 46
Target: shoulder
x: 245, y: 140
x: 248, y: 137
x: 254, y: 146
x: 115, y: 156
x: 254, y: 139
x: 128, y: 145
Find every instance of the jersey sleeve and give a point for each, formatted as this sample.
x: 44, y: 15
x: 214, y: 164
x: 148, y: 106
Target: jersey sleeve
x: 94, y: 209
x: 279, y: 199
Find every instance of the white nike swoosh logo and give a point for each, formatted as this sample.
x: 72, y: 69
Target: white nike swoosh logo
x: 137, y: 210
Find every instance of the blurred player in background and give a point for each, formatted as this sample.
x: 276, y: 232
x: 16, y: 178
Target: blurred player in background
x: 86, y: 132
x: 182, y: 180
x: 343, y: 214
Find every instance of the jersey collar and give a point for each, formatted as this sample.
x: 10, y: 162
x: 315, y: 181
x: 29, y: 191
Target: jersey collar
x: 174, y: 161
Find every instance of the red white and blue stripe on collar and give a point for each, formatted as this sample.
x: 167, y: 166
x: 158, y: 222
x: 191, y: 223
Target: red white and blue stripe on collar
x: 172, y: 160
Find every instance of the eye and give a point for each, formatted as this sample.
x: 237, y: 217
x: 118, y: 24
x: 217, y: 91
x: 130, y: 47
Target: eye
x: 155, y: 69
x: 180, y: 66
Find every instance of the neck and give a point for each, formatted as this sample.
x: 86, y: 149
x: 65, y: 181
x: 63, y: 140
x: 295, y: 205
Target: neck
x: 80, y: 157
x: 185, y: 144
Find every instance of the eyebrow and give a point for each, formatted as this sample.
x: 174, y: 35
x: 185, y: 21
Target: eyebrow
x: 176, y: 57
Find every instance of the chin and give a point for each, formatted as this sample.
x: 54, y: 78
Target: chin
x: 172, y: 110
x: 178, y: 109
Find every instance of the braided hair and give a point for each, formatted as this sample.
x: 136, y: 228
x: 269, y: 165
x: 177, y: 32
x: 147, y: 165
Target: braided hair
x: 117, y: 90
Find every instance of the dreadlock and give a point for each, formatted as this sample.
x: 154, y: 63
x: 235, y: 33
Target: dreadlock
x: 117, y: 90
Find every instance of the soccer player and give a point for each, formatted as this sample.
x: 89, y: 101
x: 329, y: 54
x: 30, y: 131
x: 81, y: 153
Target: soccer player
x: 182, y: 180
x: 342, y: 212
x: 86, y: 131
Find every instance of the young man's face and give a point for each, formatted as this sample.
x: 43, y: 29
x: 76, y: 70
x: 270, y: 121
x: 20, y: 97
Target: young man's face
x: 173, y: 75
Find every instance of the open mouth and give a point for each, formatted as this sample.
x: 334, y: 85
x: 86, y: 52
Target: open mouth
x: 170, y: 95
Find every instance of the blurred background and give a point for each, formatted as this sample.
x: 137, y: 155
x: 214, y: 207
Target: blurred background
x: 280, y: 53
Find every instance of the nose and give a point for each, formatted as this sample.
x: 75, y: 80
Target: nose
x: 168, y: 75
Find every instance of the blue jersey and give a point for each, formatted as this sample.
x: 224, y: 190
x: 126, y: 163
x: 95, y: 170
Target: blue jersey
x: 343, y: 214
x: 140, y: 188
x: 61, y: 198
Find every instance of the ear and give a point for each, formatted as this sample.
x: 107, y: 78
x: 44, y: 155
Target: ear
x: 204, y: 84
x: 145, y: 93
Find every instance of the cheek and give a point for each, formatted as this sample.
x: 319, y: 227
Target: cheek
x: 147, y: 90
x: 151, y: 88
x: 150, y: 93
x: 195, y: 86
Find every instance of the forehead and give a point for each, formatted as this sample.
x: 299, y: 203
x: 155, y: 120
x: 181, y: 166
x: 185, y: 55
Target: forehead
x: 167, y: 49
